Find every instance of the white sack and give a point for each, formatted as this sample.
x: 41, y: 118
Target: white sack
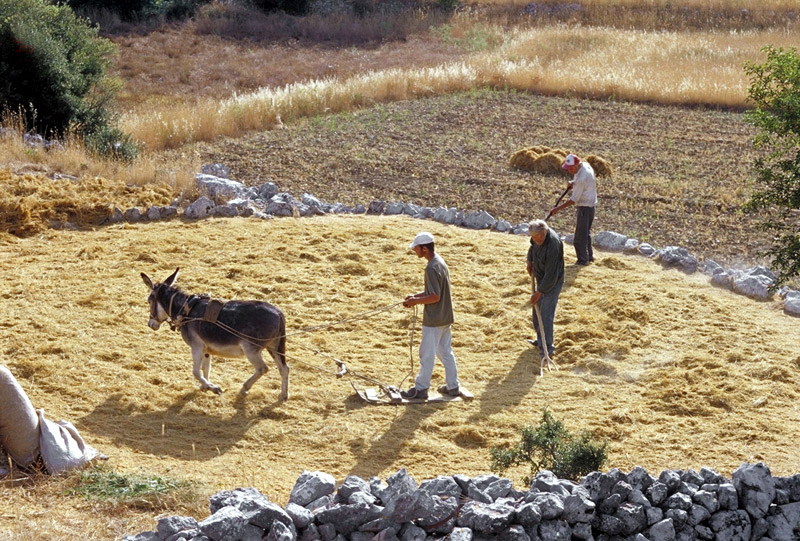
x: 19, y: 426
x: 62, y: 448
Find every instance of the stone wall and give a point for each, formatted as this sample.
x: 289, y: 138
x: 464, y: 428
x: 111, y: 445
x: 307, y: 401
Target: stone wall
x: 611, y: 506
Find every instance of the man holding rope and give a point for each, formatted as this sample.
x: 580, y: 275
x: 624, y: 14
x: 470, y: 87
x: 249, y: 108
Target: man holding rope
x: 546, y: 264
x: 437, y: 317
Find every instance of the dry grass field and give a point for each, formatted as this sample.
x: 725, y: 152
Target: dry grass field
x: 670, y: 370
x: 673, y: 372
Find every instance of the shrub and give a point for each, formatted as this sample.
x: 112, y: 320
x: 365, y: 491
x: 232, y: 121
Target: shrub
x: 54, y: 68
x: 775, y: 91
x: 550, y: 446
x: 135, y: 10
x: 294, y: 7
x: 447, y: 5
x: 114, y: 143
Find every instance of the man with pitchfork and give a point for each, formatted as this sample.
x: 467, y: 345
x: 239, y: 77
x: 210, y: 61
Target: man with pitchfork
x: 546, y: 265
x: 584, y: 197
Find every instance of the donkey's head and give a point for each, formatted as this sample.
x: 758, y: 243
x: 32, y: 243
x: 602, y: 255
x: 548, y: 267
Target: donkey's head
x: 158, y: 313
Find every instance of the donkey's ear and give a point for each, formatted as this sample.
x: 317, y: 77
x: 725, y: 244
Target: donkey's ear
x: 172, y: 277
x: 147, y: 281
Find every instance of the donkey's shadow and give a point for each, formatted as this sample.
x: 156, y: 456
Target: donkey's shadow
x: 175, y: 431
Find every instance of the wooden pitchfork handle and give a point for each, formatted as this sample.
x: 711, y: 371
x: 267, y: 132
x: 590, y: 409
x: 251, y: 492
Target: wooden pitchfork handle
x: 542, y: 336
x: 550, y: 214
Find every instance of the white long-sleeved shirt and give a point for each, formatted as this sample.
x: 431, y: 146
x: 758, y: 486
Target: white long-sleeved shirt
x: 584, y: 186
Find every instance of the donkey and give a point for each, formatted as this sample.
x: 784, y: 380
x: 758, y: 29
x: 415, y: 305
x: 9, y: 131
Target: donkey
x: 233, y: 329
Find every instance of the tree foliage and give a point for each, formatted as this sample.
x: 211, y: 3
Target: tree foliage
x: 54, y: 73
x: 54, y: 68
x: 550, y: 446
x: 136, y: 10
x: 775, y: 92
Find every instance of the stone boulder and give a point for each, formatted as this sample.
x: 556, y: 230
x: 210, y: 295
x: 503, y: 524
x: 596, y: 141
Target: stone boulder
x: 677, y: 257
x: 610, y: 241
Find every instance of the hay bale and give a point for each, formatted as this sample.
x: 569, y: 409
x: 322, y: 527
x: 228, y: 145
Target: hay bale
x: 538, y: 159
x: 601, y: 166
x: 545, y: 160
x: 523, y: 159
x: 548, y: 163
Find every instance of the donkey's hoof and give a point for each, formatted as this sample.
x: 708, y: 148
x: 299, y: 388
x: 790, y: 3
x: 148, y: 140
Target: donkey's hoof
x: 244, y: 391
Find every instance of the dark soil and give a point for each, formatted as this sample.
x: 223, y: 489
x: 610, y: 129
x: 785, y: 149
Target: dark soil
x: 680, y: 175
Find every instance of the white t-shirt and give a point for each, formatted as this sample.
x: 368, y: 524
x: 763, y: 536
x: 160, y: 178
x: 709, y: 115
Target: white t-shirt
x: 584, y: 187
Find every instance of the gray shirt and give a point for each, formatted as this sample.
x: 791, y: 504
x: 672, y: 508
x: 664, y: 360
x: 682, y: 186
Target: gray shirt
x: 547, y: 262
x: 437, y: 281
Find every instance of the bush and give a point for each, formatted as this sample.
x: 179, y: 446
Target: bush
x: 550, y: 446
x: 136, y: 10
x: 55, y: 70
x: 293, y: 7
x: 114, y: 143
x: 775, y: 91
x: 448, y: 5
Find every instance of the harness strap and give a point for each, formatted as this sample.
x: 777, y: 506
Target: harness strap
x: 213, y: 308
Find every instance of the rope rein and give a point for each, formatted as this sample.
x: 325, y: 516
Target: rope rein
x: 181, y: 319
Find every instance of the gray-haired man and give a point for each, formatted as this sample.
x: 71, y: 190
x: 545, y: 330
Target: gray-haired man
x: 546, y: 263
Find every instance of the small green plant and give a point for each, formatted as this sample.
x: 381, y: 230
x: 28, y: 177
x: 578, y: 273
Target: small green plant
x: 141, y: 491
x: 550, y: 446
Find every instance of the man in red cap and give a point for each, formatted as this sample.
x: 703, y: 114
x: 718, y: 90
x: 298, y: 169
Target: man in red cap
x: 584, y: 197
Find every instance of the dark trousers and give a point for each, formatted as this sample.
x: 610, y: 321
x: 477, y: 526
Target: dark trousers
x: 583, y: 237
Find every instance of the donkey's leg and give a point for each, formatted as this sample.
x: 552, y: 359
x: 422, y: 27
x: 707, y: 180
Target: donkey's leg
x: 206, y: 364
x: 253, y: 354
x: 202, y: 362
x: 283, y: 368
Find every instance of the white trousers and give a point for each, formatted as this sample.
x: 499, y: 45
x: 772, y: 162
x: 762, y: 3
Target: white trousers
x: 436, y: 342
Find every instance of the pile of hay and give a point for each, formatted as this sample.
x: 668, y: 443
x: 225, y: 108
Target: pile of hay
x: 545, y: 160
x: 31, y: 202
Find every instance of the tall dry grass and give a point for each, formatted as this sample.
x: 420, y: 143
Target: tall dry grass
x: 231, y: 70
x: 662, y: 67
x: 70, y: 156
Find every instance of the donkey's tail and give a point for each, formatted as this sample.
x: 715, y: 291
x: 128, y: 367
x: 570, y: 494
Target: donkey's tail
x: 282, y: 343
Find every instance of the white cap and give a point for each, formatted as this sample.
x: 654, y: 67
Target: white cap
x: 421, y: 238
x: 569, y: 161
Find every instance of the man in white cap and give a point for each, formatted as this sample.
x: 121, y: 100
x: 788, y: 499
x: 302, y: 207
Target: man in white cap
x: 584, y: 197
x: 437, y: 317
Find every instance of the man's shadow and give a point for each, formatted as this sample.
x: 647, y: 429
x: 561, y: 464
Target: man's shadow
x: 174, y: 431
x: 508, y: 391
x: 383, y: 452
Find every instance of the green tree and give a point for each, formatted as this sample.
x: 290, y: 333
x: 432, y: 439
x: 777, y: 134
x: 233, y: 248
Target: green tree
x: 54, y: 69
x: 775, y: 92
x: 550, y: 446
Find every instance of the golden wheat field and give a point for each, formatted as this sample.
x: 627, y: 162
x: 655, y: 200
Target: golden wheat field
x: 673, y: 372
